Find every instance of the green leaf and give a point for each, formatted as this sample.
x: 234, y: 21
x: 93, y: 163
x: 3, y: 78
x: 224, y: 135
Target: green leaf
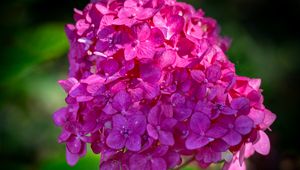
x: 31, y: 47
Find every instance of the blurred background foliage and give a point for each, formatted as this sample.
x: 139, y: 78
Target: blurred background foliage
x: 266, y: 44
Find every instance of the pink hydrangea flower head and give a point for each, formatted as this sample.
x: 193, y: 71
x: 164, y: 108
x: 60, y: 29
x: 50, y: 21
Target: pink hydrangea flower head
x: 149, y: 84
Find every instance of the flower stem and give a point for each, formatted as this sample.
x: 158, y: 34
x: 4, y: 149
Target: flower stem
x: 185, y: 163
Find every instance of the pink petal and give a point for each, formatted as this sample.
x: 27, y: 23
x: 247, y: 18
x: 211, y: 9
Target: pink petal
x: 142, y: 31
x: 175, y: 24
x: 145, y: 13
x: 167, y: 58
x: 262, y: 146
x: 145, y: 50
x: 268, y: 119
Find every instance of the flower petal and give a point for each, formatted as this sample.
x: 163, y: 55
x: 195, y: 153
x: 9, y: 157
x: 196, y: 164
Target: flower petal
x: 262, y: 146
x: 115, y: 140
x: 213, y: 73
x: 152, y: 132
x: 137, y: 124
x: 199, y: 122
x: 158, y: 163
x: 74, y: 145
x: 121, y: 100
x: 195, y: 141
x: 133, y: 142
x: 72, y: 159
x: 141, y: 30
x: 243, y: 124
x: 166, y: 138
x: 232, y: 138
x: 59, y: 117
x: 150, y: 73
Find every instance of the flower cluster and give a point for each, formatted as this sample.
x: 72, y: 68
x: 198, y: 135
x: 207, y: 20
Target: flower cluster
x: 149, y: 84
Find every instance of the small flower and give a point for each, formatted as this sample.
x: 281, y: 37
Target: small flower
x: 126, y: 132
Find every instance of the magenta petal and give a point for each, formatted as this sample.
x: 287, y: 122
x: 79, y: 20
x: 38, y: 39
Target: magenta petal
x: 142, y: 31
x: 195, y: 141
x: 175, y: 24
x: 72, y: 159
x: 173, y: 159
x: 150, y: 73
x: 213, y: 73
x: 119, y: 122
x: 166, y: 138
x: 111, y: 66
x: 130, y: 52
x: 219, y: 145
x: 115, y: 140
x: 121, y: 100
x: 167, y: 58
x: 157, y: 37
x: 145, y: 50
x: 216, y: 131
x: 232, y: 138
x: 137, y: 123
x: 241, y: 104
x: 74, y: 145
x: 182, y: 113
x: 262, y: 146
x: 145, y: 13
x: 68, y: 84
x: 228, y: 111
x: 158, y: 163
x: 243, y: 124
x: 168, y: 123
x: 199, y: 122
x: 59, y: 117
x: 154, y: 114
x: 185, y: 46
x: 110, y: 165
x: 133, y: 143
x: 152, y: 132
x: 198, y: 75
x: 151, y: 90
x: 138, y: 162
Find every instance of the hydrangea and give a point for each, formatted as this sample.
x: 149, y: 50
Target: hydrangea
x: 150, y: 86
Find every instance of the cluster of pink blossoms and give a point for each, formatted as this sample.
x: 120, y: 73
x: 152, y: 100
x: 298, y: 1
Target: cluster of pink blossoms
x: 149, y: 84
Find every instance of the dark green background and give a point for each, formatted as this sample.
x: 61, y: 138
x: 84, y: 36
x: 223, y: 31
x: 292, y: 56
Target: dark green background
x: 33, y: 48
